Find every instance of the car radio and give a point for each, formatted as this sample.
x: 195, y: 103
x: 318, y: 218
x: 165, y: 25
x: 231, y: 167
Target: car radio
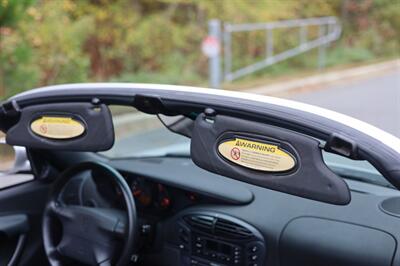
x: 211, y: 239
x: 216, y: 250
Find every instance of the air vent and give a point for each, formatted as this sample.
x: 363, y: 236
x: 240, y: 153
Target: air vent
x: 229, y: 229
x: 202, y: 222
x: 218, y: 226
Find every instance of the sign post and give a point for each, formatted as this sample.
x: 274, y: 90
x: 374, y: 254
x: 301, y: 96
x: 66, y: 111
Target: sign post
x: 211, y: 47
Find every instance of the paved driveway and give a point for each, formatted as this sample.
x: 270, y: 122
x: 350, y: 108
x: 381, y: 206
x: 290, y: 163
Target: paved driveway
x: 375, y: 100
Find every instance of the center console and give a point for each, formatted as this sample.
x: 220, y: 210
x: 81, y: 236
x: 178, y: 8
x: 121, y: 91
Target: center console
x: 217, y: 239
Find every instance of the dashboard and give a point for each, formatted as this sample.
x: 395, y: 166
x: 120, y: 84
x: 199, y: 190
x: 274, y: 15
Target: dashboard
x: 151, y: 195
x: 199, y: 218
x: 152, y: 198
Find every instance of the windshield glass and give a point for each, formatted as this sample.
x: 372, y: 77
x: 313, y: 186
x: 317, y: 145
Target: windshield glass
x: 143, y: 135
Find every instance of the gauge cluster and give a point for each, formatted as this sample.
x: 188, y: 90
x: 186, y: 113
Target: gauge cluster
x: 153, y: 196
x: 150, y: 195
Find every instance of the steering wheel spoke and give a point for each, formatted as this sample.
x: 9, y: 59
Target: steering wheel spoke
x: 54, y: 254
x: 120, y: 228
x: 105, y: 263
x: 59, y: 210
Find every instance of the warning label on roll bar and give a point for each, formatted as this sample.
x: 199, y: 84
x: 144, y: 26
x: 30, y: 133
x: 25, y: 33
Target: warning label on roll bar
x: 57, y: 127
x: 256, y: 155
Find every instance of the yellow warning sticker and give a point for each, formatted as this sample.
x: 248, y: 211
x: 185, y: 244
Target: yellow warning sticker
x: 54, y: 127
x: 256, y: 155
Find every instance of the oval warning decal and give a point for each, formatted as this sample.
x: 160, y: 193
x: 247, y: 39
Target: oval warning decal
x: 54, y: 127
x: 256, y: 155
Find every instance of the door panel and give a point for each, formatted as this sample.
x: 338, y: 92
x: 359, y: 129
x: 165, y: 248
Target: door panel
x: 13, y: 230
x: 21, y: 209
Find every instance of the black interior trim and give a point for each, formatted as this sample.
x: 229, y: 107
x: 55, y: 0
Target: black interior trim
x: 184, y: 175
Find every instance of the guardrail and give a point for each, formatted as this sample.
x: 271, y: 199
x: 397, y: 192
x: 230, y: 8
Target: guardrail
x: 329, y: 30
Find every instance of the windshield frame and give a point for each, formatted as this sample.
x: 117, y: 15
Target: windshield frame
x: 303, y: 118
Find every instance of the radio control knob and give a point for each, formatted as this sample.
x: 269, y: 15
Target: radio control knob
x: 254, y: 257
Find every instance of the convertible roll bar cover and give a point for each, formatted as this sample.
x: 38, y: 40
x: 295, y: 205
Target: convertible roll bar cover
x: 380, y: 148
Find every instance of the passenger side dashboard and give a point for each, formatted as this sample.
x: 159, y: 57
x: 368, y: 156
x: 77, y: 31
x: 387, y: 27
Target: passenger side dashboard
x: 291, y: 230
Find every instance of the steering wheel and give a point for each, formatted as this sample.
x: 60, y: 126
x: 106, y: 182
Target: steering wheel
x: 89, y: 235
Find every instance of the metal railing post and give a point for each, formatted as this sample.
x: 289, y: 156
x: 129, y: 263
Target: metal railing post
x: 303, y: 36
x: 270, y: 43
x: 329, y: 30
x: 321, y: 49
x: 214, y: 30
x: 227, y: 39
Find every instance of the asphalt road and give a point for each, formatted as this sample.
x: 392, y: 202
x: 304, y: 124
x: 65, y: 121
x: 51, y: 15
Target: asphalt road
x: 375, y: 100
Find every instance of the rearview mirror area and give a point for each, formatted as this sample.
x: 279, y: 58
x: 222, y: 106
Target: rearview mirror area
x: 178, y: 124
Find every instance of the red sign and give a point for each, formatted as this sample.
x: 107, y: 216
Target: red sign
x: 210, y: 46
x: 235, y: 153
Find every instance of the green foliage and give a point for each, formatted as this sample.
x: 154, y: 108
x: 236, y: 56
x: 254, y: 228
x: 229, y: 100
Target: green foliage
x: 45, y: 49
x: 58, y: 41
x: 175, y: 72
x: 345, y: 55
x: 17, y: 73
x: 11, y: 11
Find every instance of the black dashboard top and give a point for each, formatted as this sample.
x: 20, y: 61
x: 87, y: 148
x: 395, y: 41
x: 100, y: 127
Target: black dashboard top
x: 285, y: 220
x: 183, y: 174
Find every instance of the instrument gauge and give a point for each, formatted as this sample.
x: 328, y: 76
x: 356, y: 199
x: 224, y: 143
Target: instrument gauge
x: 164, y: 200
x: 141, y: 191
